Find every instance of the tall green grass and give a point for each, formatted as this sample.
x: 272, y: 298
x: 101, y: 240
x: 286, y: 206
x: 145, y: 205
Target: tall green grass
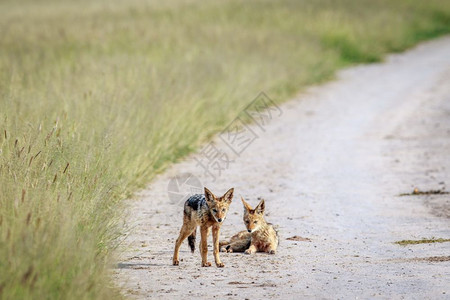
x: 96, y: 97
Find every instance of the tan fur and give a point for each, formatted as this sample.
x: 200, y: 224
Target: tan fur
x: 259, y: 237
x: 238, y: 242
x: 206, y: 217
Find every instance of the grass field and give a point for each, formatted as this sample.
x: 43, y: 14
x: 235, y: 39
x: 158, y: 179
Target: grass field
x: 96, y: 97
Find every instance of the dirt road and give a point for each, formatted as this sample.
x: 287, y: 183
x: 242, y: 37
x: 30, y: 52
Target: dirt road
x: 331, y: 165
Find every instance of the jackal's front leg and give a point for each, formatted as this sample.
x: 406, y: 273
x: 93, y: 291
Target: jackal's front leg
x: 204, y: 246
x: 272, y: 249
x: 215, y: 232
x: 252, y: 249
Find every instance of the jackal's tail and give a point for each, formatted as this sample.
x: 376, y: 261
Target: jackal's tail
x: 191, y: 240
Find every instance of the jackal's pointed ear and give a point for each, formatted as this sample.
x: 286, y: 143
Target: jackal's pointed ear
x: 260, y: 208
x: 209, y: 197
x: 229, y: 195
x: 246, y: 205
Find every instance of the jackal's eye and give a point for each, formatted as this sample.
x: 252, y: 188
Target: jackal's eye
x: 214, y: 210
x: 255, y: 222
x: 246, y: 222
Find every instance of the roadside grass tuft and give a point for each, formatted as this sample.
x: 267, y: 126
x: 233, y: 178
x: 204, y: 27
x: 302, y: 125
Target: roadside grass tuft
x: 422, y: 241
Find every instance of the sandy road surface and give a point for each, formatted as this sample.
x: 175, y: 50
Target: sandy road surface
x: 331, y: 169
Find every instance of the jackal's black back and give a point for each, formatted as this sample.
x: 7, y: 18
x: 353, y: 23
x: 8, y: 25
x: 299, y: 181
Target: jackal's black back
x: 196, y: 201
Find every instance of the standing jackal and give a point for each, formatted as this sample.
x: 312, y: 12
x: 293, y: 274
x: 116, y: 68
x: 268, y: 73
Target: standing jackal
x: 205, y: 211
x: 259, y: 237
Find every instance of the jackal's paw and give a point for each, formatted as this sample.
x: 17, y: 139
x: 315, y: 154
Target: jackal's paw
x: 206, y: 264
x: 272, y: 251
x: 248, y: 251
x: 176, y: 262
x: 220, y: 265
x: 226, y: 249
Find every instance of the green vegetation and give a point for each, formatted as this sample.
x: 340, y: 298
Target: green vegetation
x: 96, y: 97
x: 417, y: 192
x: 422, y: 241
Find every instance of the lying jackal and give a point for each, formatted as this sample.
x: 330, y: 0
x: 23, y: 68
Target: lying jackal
x: 205, y: 211
x: 259, y: 237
